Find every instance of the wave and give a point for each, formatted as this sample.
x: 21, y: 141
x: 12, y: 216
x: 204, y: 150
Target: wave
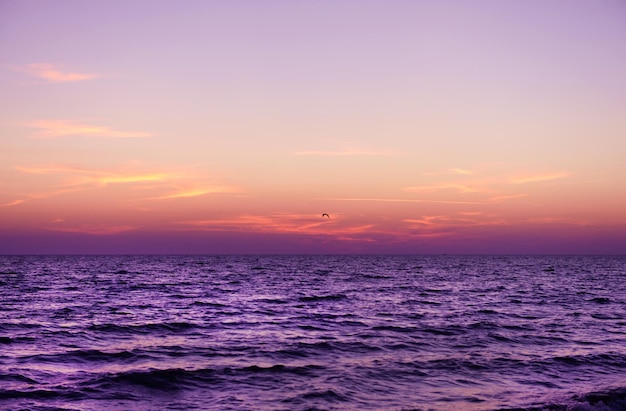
x: 331, y: 297
x: 605, y: 360
x: 163, y: 380
x: 328, y: 395
x: 40, y: 394
x: 88, y: 356
x: 609, y: 399
x: 167, y: 380
x: 614, y: 399
x: 175, y: 327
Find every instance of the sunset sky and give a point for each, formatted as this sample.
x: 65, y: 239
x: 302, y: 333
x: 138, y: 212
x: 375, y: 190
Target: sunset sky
x: 231, y: 126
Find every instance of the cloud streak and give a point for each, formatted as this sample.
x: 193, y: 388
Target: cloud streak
x: 284, y: 223
x: 461, y: 188
x: 94, y: 229
x: 53, y: 74
x: 402, y: 200
x: 454, y: 170
x: 96, y: 177
x: 196, y: 192
x: 344, y: 153
x: 161, y: 184
x: 63, y: 128
x: 539, y: 178
x: 38, y: 196
x: 492, y: 189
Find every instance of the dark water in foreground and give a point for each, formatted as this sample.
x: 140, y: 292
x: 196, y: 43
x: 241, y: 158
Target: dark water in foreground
x: 312, y: 333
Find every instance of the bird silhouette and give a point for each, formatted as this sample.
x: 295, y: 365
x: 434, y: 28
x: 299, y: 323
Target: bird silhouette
x: 325, y: 215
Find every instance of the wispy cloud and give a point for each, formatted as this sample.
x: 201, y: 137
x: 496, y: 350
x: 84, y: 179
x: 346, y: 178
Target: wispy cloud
x: 484, y: 189
x: 445, y: 222
x: 283, y: 222
x: 499, y: 199
x: 17, y: 202
x: 197, y: 192
x: 347, y: 152
x: 94, y: 229
x: 461, y: 188
x: 458, y: 171
x: 38, y: 196
x: 401, y: 200
x: 131, y: 178
x: 137, y: 183
x: 559, y: 220
x: 53, y: 74
x: 63, y: 128
x: 83, y: 176
x: 539, y: 178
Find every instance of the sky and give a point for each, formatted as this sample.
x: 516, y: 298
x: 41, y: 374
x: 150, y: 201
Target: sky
x: 420, y: 127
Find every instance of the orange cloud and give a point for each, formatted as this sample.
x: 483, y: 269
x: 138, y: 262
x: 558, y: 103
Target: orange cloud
x: 344, y: 153
x: 37, y: 196
x: 402, y: 200
x: 305, y: 224
x: 499, y: 199
x: 494, y: 189
x: 272, y: 223
x: 461, y: 188
x: 196, y: 192
x: 455, y: 170
x: 16, y: 202
x: 447, y: 222
x: 95, y: 229
x: 132, y: 178
x: 337, y: 228
x: 52, y: 74
x: 63, y: 128
x: 55, y: 169
x: 460, y: 171
x: 97, y: 177
x: 539, y: 178
x: 168, y: 184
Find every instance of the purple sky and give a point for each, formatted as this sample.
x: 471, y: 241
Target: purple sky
x: 227, y: 127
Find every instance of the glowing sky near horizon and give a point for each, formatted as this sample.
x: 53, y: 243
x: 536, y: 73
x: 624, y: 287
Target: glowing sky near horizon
x: 231, y: 126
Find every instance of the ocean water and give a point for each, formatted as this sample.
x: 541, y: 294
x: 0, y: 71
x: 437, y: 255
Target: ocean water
x: 312, y: 333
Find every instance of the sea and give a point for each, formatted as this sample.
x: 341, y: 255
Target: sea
x: 313, y: 332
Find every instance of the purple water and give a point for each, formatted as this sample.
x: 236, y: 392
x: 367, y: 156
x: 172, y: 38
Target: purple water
x: 312, y: 333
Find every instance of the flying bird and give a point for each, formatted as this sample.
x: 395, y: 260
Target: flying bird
x: 325, y: 215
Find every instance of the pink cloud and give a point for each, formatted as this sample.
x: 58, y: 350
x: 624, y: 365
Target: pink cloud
x: 52, y: 74
x: 94, y: 229
x: 539, y: 178
x: 63, y: 128
x: 344, y: 153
